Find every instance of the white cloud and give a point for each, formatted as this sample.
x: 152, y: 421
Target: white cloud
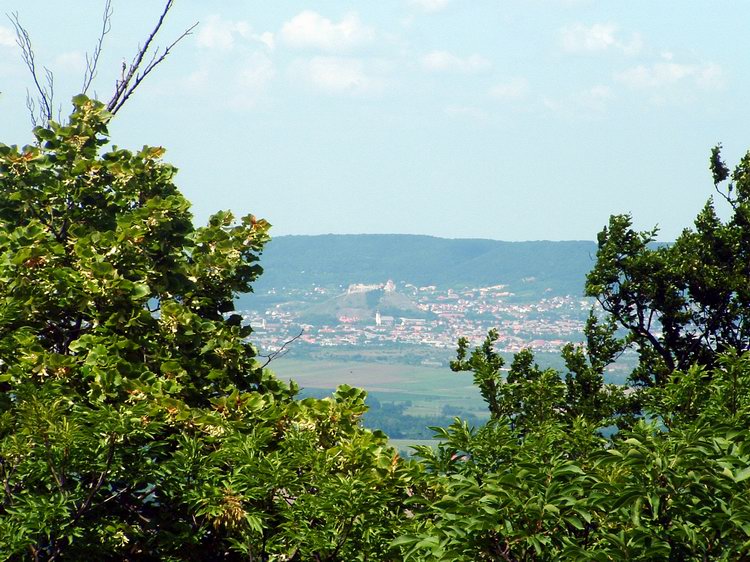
x: 220, y: 34
x: 513, y: 89
x: 241, y: 80
x: 430, y: 5
x: 664, y: 74
x: 7, y: 37
x: 339, y: 75
x: 632, y: 47
x: 710, y: 77
x: 256, y: 72
x: 267, y: 39
x: 242, y: 85
x: 579, y: 38
x: 595, y: 98
x: 445, y: 61
x: 199, y: 78
x: 309, y: 29
x: 252, y: 80
x: 600, y: 92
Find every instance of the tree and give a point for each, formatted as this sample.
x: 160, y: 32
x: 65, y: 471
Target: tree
x: 135, y: 420
x: 42, y: 109
x: 587, y: 395
x: 538, y: 481
x: 684, y: 303
x: 529, y: 396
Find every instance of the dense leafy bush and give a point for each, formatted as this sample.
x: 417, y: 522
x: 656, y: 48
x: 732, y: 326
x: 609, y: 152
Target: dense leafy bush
x: 539, y: 482
x: 135, y: 421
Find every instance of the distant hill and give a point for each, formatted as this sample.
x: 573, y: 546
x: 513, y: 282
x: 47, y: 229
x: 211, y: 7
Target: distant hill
x: 335, y: 259
x: 362, y: 305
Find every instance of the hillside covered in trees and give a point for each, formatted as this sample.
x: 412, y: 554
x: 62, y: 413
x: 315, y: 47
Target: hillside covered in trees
x: 138, y: 423
x: 301, y: 261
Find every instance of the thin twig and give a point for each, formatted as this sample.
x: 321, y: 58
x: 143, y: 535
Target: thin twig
x: 281, y: 351
x: 48, y: 457
x: 46, y: 93
x: 726, y: 196
x: 93, y: 60
x: 31, y: 106
x: 132, y: 78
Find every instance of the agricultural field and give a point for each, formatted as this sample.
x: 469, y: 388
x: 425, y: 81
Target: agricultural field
x: 428, y: 389
x: 405, y: 446
x: 405, y: 400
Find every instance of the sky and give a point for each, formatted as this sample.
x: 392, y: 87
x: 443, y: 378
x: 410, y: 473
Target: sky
x: 502, y: 119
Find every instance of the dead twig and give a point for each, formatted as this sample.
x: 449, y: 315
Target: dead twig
x: 131, y: 76
x: 46, y: 93
x: 283, y: 350
x: 92, y: 61
x: 41, y: 106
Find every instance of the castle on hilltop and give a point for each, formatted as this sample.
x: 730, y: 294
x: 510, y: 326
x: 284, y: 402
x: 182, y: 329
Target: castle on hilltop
x: 389, y: 287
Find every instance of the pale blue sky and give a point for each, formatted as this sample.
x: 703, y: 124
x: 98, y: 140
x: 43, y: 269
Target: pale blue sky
x: 512, y: 120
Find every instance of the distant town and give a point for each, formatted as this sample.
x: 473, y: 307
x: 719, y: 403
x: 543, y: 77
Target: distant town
x: 432, y: 318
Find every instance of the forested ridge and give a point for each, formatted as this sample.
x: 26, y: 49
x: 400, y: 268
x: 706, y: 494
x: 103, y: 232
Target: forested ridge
x: 545, y: 267
x: 138, y: 423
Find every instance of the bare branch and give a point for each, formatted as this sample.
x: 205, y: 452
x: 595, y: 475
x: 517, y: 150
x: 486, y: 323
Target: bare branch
x: 41, y: 106
x: 93, y: 60
x: 46, y: 93
x: 727, y: 196
x: 31, y: 106
x: 281, y: 351
x: 132, y: 76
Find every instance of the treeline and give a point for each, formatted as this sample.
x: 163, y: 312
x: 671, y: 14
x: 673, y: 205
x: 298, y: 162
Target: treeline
x: 137, y: 422
x: 333, y: 259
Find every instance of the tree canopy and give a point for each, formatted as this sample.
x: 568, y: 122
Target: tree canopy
x: 539, y: 481
x: 135, y: 419
x: 683, y: 303
x: 136, y: 422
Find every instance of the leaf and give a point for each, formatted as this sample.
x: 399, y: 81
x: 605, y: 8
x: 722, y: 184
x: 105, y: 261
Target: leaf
x: 551, y: 508
x: 140, y: 290
x: 742, y: 475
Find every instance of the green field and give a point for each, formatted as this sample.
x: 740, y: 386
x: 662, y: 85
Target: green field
x: 404, y: 446
x: 429, y: 389
x: 405, y: 400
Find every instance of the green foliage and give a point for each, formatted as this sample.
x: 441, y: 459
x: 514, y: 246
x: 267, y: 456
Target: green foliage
x: 528, y: 396
x: 485, y: 364
x: 564, y: 493
x: 135, y: 421
x: 586, y: 394
x: 688, y: 302
x: 538, y: 481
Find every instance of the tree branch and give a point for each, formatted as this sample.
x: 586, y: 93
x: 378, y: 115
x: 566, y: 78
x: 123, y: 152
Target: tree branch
x: 41, y: 109
x: 46, y: 93
x: 99, y: 481
x: 93, y: 60
x: 131, y: 77
x: 281, y: 351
